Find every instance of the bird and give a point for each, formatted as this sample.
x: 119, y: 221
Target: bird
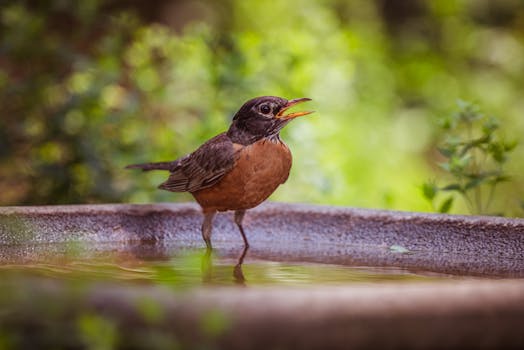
x: 237, y: 169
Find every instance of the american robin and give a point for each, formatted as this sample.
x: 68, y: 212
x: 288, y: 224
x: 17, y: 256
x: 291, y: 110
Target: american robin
x: 238, y: 169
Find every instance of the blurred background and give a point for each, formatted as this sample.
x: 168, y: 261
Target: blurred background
x: 87, y: 87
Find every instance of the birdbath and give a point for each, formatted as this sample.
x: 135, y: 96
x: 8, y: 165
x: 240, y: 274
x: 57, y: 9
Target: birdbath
x: 117, y: 276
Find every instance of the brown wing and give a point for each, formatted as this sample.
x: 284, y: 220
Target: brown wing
x: 202, y: 168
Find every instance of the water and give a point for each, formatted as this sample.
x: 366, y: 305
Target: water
x: 133, y: 295
x: 193, y: 267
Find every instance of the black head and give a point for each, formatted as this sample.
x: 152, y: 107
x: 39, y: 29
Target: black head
x: 262, y: 117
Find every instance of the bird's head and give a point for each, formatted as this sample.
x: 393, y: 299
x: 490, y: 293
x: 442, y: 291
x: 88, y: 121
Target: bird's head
x: 263, y: 117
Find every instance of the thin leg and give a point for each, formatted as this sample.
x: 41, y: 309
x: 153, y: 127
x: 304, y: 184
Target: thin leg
x: 207, y: 227
x: 239, y: 216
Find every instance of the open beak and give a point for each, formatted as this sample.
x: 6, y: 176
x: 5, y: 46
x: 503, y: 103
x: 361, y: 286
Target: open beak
x: 290, y: 104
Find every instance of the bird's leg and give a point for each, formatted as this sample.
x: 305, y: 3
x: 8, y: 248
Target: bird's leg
x: 207, y: 227
x: 239, y: 216
x: 237, y: 271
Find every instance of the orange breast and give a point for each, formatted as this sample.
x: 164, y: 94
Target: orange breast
x: 259, y: 169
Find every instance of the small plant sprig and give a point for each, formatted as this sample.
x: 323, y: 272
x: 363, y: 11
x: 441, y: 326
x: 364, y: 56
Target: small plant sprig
x: 475, y: 156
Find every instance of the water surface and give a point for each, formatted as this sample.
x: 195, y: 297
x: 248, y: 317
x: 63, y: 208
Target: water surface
x: 194, y: 267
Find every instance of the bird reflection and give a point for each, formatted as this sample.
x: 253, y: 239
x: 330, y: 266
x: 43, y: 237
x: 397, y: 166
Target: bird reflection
x: 209, y: 275
x: 238, y: 274
x: 207, y: 267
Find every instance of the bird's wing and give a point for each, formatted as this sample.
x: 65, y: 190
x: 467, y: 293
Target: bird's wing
x: 204, y: 167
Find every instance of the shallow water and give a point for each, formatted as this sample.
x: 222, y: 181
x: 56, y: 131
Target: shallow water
x: 153, y: 293
x: 194, y: 267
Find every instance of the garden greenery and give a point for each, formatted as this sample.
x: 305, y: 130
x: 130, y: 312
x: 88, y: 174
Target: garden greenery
x: 474, y: 159
x: 87, y: 87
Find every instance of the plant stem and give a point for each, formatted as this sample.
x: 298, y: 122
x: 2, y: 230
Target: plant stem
x: 469, y: 202
x: 490, y: 197
x: 475, y: 171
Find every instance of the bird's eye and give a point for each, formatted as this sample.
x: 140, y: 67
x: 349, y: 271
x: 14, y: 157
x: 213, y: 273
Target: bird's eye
x: 265, y: 108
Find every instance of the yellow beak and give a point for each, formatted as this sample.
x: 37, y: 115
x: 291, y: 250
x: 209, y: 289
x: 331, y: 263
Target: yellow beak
x: 290, y: 104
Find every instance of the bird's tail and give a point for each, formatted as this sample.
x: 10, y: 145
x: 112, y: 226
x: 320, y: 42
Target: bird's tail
x: 154, y: 166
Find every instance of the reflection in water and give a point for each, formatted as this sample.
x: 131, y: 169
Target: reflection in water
x: 150, y: 250
x: 238, y: 274
x: 166, y: 263
x: 208, y: 268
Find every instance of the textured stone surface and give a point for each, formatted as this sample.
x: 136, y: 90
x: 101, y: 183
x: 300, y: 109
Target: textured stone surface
x: 465, y: 314
x: 487, y: 246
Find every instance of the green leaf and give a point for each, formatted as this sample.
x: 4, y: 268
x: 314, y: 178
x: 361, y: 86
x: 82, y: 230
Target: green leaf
x: 452, y: 187
x: 510, y: 146
x: 446, y: 123
x: 446, y: 205
x: 482, y: 174
x: 452, y: 141
x: 429, y: 190
x: 446, y: 151
x: 474, y: 182
x: 468, y: 112
x: 479, y: 142
x: 395, y: 248
x: 462, y: 104
x: 500, y: 178
x: 458, y: 164
x: 464, y: 160
x: 490, y: 125
x: 445, y: 166
x: 498, y: 151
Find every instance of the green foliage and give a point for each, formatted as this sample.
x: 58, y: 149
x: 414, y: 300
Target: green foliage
x: 474, y: 159
x: 97, y: 332
x: 87, y: 87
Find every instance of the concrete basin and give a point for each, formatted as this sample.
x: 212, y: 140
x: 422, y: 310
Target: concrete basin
x: 482, y: 307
